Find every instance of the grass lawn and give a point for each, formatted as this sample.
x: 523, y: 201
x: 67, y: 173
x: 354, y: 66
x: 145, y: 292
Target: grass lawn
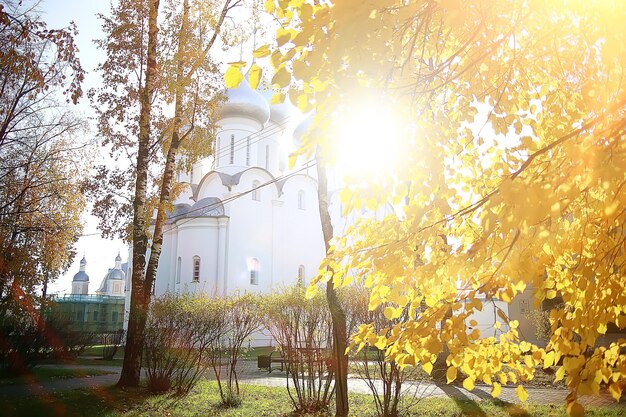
x: 257, y: 402
x: 47, y: 373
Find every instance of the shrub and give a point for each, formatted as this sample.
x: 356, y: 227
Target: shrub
x: 111, y: 342
x: 373, y: 366
x: 240, y: 317
x: 180, y: 333
x: 303, y: 329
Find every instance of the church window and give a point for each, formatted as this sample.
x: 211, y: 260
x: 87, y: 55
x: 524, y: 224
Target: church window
x: 301, y: 200
x: 254, y: 271
x: 256, y: 193
x: 196, y: 269
x: 248, y: 151
x: 114, y: 317
x: 95, y: 315
x: 78, y: 316
x: 178, y: 265
x: 267, y: 157
x: 232, y: 149
x: 301, y: 275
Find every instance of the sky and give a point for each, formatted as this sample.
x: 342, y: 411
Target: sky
x: 99, y: 253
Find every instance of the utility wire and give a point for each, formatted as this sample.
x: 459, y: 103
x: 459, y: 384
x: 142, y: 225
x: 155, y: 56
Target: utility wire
x: 235, y: 197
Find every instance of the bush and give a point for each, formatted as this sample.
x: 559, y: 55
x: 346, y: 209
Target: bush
x: 303, y: 329
x: 240, y: 317
x: 111, y: 342
x: 180, y: 333
x: 373, y: 365
x: 26, y: 340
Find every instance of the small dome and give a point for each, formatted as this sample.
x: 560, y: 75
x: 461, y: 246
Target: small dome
x: 245, y: 102
x: 279, y: 113
x: 81, y: 276
x: 116, y: 274
x: 118, y: 258
x: 302, y: 129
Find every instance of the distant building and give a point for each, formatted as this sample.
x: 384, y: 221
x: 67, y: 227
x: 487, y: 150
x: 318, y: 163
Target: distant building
x: 94, y: 313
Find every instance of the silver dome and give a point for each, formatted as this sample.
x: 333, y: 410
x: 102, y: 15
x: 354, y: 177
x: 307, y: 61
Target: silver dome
x: 81, y: 276
x: 245, y: 102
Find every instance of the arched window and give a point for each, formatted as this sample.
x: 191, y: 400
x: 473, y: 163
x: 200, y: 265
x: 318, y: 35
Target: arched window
x: 301, y: 275
x: 196, y: 269
x: 267, y: 157
x: 254, y: 271
x: 232, y: 149
x: 301, y: 200
x: 178, y: 266
x: 256, y: 193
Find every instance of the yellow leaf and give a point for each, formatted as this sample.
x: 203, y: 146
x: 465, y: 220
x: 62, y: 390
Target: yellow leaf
x: 278, y: 98
x: 233, y: 77
x: 615, y: 390
x: 281, y: 78
x: 574, y: 409
x: 238, y: 64
x: 451, y: 374
x: 427, y: 367
x: 468, y: 383
x: 254, y: 76
x: 548, y: 360
x: 282, y: 36
x: 270, y: 6
x: 311, y: 291
x: 560, y: 373
x: 496, y: 390
x: 521, y: 393
x: 261, y: 51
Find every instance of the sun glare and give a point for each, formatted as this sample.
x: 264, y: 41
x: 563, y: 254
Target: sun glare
x: 368, y: 138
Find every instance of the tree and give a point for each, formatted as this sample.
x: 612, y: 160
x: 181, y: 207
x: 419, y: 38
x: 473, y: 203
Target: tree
x: 144, y: 73
x: 510, y: 174
x: 41, y: 162
x: 41, y: 170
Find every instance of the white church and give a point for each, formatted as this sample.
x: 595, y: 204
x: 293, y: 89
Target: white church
x: 245, y: 222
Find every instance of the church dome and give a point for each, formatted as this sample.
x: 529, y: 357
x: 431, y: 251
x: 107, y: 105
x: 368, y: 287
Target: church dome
x: 279, y: 113
x: 115, y: 274
x: 302, y: 129
x: 81, y: 276
x: 245, y: 102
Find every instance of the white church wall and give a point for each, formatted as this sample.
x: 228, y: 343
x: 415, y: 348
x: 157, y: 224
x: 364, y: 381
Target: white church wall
x: 198, y: 238
x: 250, y: 234
x: 306, y: 246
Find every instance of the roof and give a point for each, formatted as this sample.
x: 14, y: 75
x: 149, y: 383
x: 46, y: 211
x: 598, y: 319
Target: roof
x: 81, y: 276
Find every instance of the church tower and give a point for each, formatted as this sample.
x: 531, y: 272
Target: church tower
x: 80, y: 282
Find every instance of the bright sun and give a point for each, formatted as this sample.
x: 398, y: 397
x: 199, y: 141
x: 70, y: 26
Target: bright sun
x: 368, y: 138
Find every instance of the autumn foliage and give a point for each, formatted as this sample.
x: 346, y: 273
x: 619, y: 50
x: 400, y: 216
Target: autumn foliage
x: 510, y: 176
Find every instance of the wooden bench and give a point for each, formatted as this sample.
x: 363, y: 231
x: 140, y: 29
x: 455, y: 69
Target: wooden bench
x: 277, y: 357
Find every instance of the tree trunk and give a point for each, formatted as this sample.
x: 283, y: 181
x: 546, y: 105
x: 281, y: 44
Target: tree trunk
x: 139, y: 298
x: 340, y: 342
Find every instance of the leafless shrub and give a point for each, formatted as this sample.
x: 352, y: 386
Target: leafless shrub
x: 303, y: 329
x: 179, y: 339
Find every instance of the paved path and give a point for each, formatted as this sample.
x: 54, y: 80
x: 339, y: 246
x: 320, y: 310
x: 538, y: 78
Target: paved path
x: 249, y: 374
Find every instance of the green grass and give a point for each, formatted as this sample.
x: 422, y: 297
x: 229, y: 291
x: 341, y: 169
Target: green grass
x: 257, y: 402
x: 46, y: 374
x: 96, y: 350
